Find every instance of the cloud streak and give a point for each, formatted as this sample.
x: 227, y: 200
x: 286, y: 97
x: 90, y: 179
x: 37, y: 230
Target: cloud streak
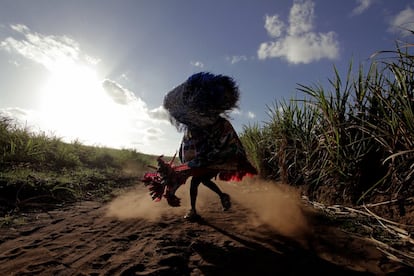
x: 362, y: 6
x: 296, y: 41
x: 47, y: 50
x: 117, y: 93
x: 198, y: 64
x: 236, y: 59
x: 403, y: 22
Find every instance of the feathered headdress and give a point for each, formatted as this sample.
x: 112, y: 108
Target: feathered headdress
x: 201, y: 99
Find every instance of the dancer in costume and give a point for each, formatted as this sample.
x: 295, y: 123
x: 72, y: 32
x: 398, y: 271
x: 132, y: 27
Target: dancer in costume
x: 210, y: 146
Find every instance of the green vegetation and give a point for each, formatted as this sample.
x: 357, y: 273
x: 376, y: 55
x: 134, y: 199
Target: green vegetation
x: 37, y: 170
x: 354, y: 139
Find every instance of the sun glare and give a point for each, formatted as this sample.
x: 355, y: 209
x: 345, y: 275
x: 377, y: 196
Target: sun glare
x: 75, y: 106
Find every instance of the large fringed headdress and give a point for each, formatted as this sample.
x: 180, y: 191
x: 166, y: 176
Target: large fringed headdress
x: 201, y: 100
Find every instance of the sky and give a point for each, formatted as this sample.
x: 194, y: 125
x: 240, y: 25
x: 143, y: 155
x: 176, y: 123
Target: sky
x: 97, y: 71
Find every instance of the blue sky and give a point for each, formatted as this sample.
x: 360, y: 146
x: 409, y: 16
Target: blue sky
x: 97, y: 71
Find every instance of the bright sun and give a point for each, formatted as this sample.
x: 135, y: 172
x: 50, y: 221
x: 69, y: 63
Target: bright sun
x: 75, y: 106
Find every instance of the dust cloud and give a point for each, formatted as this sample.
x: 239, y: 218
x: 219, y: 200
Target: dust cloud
x: 137, y: 204
x: 273, y: 203
x: 264, y: 202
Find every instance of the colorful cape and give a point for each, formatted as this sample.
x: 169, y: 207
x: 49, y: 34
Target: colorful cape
x: 164, y: 182
x: 214, y: 150
x: 210, y: 144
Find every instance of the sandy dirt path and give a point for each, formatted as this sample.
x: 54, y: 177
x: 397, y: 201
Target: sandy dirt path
x: 266, y: 232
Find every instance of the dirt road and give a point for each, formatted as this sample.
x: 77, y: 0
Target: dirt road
x: 266, y: 232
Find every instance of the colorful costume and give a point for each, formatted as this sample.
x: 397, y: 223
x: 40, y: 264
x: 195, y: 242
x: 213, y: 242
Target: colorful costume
x: 210, y: 146
x: 216, y: 147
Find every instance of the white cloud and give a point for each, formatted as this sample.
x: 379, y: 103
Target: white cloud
x: 403, y: 22
x: 46, y: 50
x: 123, y: 96
x: 92, y: 60
x: 14, y: 112
x: 251, y: 115
x: 362, y: 5
x: 118, y: 93
x: 301, y: 17
x: 274, y: 26
x: 298, y: 43
x: 124, y: 76
x: 198, y: 64
x: 236, y: 111
x: 159, y: 113
x: 20, y: 28
x: 302, y: 49
x: 240, y: 113
x: 236, y: 59
x: 153, y: 134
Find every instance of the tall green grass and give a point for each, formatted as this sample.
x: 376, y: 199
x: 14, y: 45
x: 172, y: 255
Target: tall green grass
x: 21, y: 147
x: 354, y: 138
x: 38, y: 168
